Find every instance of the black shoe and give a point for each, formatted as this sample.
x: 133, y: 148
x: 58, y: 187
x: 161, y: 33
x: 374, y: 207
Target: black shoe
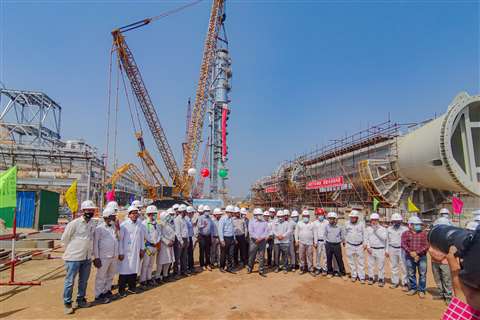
x: 262, y: 274
x: 249, y: 270
x: 317, y: 272
x: 231, y: 271
x: 132, y: 291
x: 83, y: 303
x: 122, y: 293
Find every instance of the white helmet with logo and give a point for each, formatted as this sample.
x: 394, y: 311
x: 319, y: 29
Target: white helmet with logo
x: 266, y: 214
x: 374, y: 216
x: 108, y: 211
x: 294, y: 214
x: 271, y: 210
x: 137, y: 204
x: 182, y: 208
x: 217, y: 211
x: 286, y: 212
x: 305, y: 213
x: 151, y: 209
x: 396, y: 217
x: 444, y: 211
x: 113, y: 204
x: 414, y: 220
x: 354, y: 214
x: 206, y: 208
x: 230, y: 208
x: 257, y: 212
x: 132, y: 208
x: 243, y: 211
x: 88, y: 205
x: 175, y: 206
x: 332, y: 214
x: 200, y: 208
x: 171, y: 211
x: 190, y: 209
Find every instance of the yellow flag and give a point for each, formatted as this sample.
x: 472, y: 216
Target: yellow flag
x: 71, y: 197
x: 411, y: 207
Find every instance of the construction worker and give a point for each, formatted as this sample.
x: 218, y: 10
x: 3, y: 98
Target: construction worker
x: 78, y: 241
x: 258, y: 231
x: 226, y: 235
x: 139, y: 205
x: 181, y: 233
x: 306, y: 239
x: 292, y: 247
x: 240, y: 229
x: 395, y: 252
x: 114, y: 205
x: 105, y: 251
x: 334, y: 236
x: 414, y: 242
x: 319, y: 226
x: 205, y: 230
x: 354, y: 238
x: 166, y: 255
x: 281, y: 241
x: 130, y: 252
x: 215, y: 250
x: 375, y: 243
x: 152, y: 244
x: 440, y: 268
x: 189, y: 222
x: 473, y: 225
x: 269, y: 216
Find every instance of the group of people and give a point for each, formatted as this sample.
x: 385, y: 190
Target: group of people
x: 277, y: 239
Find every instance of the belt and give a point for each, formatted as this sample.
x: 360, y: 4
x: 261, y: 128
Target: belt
x: 377, y: 247
x: 395, y: 247
x: 333, y: 242
x: 355, y: 245
x: 320, y: 240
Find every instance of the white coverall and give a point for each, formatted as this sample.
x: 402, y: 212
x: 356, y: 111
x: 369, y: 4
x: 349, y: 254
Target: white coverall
x: 354, y: 237
x: 376, y: 240
x: 396, y: 254
x: 105, y: 248
x: 166, y: 256
x: 132, y: 240
x: 152, y: 238
x: 321, y: 259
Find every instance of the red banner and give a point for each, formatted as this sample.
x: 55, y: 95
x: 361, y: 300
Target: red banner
x: 271, y: 189
x: 325, y: 183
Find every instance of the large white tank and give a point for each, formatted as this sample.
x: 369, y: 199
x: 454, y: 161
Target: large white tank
x: 445, y: 153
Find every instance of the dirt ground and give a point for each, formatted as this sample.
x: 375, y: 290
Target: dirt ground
x: 215, y: 295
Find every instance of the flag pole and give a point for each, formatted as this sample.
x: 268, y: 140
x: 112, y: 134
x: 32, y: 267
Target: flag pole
x: 14, y: 237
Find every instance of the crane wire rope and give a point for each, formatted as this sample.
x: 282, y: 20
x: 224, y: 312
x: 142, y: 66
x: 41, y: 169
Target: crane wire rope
x: 116, y: 123
x: 109, y: 109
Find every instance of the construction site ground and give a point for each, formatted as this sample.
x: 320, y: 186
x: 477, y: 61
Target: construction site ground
x: 216, y: 295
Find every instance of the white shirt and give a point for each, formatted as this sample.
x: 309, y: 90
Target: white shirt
x: 293, y: 226
x: 394, y: 236
x: 376, y: 237
x: 354, y: 233
x: 305, y: 233
x: 105, y: 241
x: 132, y: 240
x: 320, y: 229
x: 78, y: 240
x: 281, y: 229
x: 181, y: 230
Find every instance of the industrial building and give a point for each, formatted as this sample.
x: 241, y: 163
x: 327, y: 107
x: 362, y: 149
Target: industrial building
x: 427, y: 162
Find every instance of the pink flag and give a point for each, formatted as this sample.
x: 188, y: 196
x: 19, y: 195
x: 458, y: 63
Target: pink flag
x: 457, y: 205
x: 110, y: 195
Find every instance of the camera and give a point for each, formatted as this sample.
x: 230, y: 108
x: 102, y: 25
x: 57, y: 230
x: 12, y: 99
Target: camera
x: 467, y: 242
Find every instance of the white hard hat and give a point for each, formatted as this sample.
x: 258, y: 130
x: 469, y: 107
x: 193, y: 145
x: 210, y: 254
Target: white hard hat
x: 294, y: 214
x: 200, y: 208
x: 286, y: 212
x: 444, y: 211
x: 271, y: 210
x: 414, y: 220
x: 206, y: 208
x: 476, y: 212
x: 305, y: 213
x: 182, y: 207
x: 332, y: 215
x: 374, y: 216
x: 151, y: 209
x: 266, y: 213
x: 396, y: 217
x: 88, y: 205
x: 442, y: 220
x: 236, y: 210
x: 164, y: 215
x: 175, y: 206
x: 170, y: 211
x: 217, y: 211
x: 190, y: 209
x: 257, y: 211
x: 472, y: 225
x: 137, y: 203
x: 243, y: 211
x: 230, y: 208
x: 132, y: 208
x: 476, y: 218
x: 354, y: 213
x: 113, y: 204
x: 108, y: 211
x: 280, y: 213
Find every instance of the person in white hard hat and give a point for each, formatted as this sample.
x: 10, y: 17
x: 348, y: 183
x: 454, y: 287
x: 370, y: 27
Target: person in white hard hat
x: 243, y: 215
x: 215, y: 249
x: 205, y: 230
x: 375, y: 243
x: 415, y: 244
x: 444, y: 215
x: 139, y: 205
x: 240, y: 256
x: 281, y: 233
x: 181, y: 233
x: 166, y: 255
x: 319, y: 226
x: 440, y: 268
x: 355, y: 238
x: 152, y: 244
x: 306, y: 239
x: 105, y: 251
x: 131, y: 252
x: 473, y: 225
x: 258, y: 231
x: 395, y: 253
x: 191, y: 234
x: 78, y: 241
x: 334, y: 236
x: 114, y: 205
x: 293, y: 249
x: 226, y: 234
x: 269, y: 216
x: 175, y: 207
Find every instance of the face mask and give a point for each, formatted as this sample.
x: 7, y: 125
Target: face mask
x: 321, y: 218
x: 306, y: 220
x: 396, y: 225
x: 108, y: 221
x: 295, y: 219
x: 206, y: 214
x: 88, y: 216
x: 417, y: 227
x: 259, y: 218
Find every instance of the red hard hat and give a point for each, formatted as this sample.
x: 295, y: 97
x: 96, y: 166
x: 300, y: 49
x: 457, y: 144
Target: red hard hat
x: 320, y: 211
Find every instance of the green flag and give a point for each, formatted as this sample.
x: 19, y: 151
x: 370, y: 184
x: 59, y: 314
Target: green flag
x: 376, y: 202
x: 8, y: 188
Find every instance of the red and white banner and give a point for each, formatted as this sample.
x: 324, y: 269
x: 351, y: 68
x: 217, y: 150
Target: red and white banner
x: 271, y: 189
x: 325, y: 183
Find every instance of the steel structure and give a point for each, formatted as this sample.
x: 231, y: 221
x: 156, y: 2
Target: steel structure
x: 29, y: 117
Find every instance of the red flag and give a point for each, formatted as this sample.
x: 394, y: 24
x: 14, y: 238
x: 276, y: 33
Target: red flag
x: 110, y: 195
x: 457, y: 205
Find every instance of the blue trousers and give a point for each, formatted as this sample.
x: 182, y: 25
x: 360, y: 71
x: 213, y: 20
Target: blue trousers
x: 82, y: 268
x: 412, y: 267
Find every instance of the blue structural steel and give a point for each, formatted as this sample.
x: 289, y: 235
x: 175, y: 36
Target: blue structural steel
x: 25, y: 209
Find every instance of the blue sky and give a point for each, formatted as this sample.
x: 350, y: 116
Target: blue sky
x: 304, y: 72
